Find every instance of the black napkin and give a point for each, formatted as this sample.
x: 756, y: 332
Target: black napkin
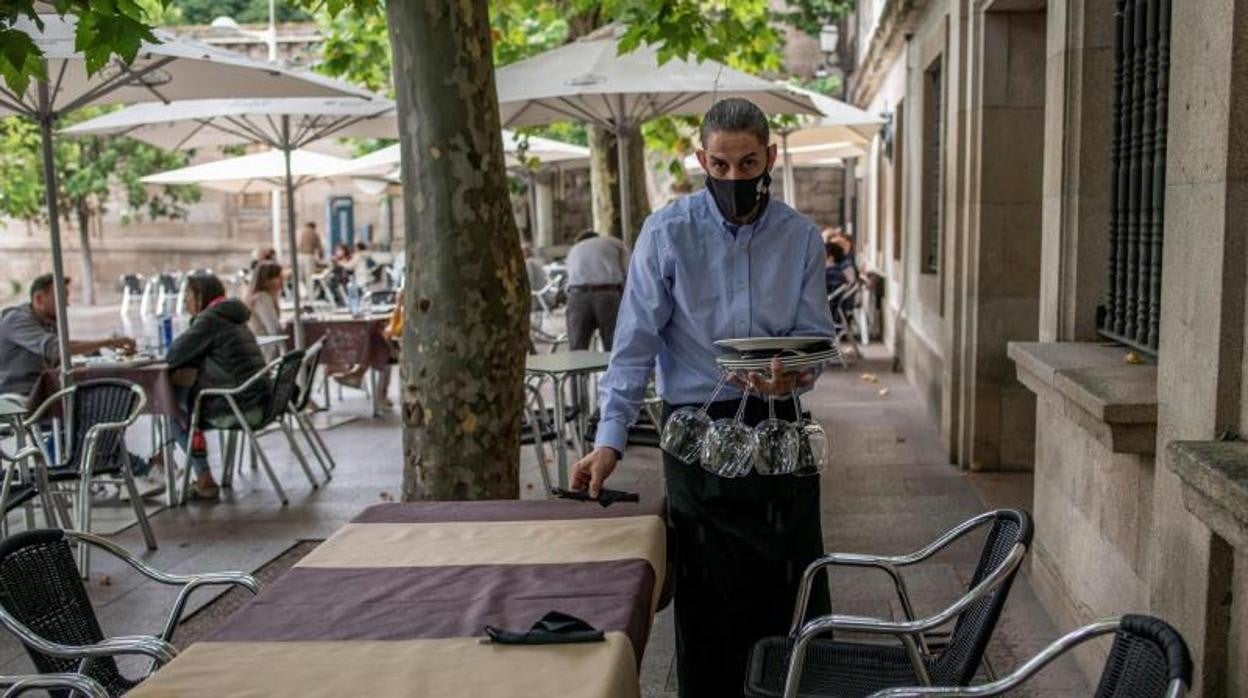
x: 554, y: 628
x: 606, y: 497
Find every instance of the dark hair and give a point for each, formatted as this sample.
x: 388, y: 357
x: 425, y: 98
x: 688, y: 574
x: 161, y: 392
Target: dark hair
x: 206, y: 288
x: 264, y: 273
x: 833, y: 250
x: 361, y: 246
x: 43, y: 284
x: 734, y: 115
x: 586, y: 235
x: 309, y: 224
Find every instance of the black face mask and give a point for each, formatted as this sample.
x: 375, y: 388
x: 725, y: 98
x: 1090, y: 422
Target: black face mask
x: 738, y: 197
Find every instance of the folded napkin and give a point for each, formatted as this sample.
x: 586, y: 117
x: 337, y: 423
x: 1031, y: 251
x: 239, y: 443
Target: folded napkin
x: 554, y: 628
x: 605, y: 497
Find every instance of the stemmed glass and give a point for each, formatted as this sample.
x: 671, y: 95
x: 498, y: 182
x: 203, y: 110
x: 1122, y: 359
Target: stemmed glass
x: 813, y: 444
x: 779, y: 443
x: 728, y: 450
x: 687, y: 427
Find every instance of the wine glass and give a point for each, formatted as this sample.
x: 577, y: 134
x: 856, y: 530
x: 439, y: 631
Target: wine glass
x: 729, y: 446
x: 778, y: 444
x: 686, y: 428
x: 813, y: 445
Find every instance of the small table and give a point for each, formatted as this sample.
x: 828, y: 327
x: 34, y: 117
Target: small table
x: 350, y: 341
x: 559, y: 367
x: 395, y: 603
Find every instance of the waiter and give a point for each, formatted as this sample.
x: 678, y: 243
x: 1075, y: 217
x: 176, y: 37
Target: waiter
x: 724, y: 262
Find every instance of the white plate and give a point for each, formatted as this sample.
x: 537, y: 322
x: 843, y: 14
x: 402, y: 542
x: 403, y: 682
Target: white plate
x: 788, y: 362
x: 769, y: 343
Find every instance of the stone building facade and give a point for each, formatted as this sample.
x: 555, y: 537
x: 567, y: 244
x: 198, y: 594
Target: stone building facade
x: 997, y: 206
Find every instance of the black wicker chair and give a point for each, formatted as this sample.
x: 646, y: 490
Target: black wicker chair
x: 283, y: 372
x: 70, y: 685
x: 18, y: 489
x: 93, y: 446
x: 45, y: 604
x: 806, y: 665
x: 1148, y: 659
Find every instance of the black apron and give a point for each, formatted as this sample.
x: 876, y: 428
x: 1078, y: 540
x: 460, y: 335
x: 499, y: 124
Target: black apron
x: 740, y: 547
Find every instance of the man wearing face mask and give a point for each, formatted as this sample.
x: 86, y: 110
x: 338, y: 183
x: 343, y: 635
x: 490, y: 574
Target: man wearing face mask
x: 725, y: 262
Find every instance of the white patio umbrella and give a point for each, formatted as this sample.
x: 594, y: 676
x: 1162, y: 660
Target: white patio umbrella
x: 840, y: 127
x: 282, y: 124
x: 589, y: 81
x: 384, y: 163
x: 174, y: 68
x: 247, y: 173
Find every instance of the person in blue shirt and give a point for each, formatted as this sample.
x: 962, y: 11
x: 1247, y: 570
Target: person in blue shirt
x: 724, y: 262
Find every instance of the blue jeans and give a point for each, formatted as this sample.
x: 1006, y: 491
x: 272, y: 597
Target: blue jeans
x: 181, y: 431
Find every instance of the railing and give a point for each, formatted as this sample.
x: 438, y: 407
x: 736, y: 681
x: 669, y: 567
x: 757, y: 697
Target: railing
x: 1132, y: 310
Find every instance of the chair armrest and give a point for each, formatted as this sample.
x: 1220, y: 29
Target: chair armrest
x: 888, y: 563
x: 231, y: 392
x: 46, y: 405
x: 1015, y: 678
x: 155, y: 648
x: 77, y: 684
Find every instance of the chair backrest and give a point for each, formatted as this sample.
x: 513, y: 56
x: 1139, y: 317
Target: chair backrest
x: 284, y: 384
x: 307, y: 375
x: 132, y: 282
x: 1147, y: 656
x: 169, y: 281
x: 957, y: 663
x: 41, y: 588
x: 103, y: 401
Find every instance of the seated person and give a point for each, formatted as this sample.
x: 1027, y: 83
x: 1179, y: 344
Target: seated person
x: 28, y: 347
x: 262, y: 301
x: 223, y: 352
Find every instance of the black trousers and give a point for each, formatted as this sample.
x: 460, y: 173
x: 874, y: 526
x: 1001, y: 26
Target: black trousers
x: 589, y: 311
x: 741, y: 546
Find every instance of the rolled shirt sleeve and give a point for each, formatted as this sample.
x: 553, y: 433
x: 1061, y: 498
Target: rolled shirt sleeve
x: 644, y: 310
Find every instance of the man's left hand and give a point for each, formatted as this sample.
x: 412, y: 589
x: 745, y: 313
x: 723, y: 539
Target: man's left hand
x: 779, y: 382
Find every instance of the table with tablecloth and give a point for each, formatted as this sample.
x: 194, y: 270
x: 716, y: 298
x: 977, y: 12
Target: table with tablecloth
x: 395, y: 603
x: 349, y: 341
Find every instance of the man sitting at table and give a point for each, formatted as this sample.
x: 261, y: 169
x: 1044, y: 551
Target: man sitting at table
x: 223, y: 353
x: 28, y: 344
x: 28, y: 347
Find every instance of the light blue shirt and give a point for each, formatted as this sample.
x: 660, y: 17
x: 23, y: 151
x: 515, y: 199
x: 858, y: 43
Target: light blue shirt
x: 694, y: 279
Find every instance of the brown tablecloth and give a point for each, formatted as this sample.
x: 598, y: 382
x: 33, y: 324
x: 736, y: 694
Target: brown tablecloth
x: 394, y: 604
x: 348, y: 341
x: 154, y: 378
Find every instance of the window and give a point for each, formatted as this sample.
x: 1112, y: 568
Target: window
x: 1132, y: 310
x: 899, y: 150
x: 933, y: 156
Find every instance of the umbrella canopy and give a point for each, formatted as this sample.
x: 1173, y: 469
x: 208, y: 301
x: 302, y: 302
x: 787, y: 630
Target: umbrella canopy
x: 588, y: 80
x: 264, y: 170
x: 282, y: 124
x: 384, y: 163
x: 172, y: 68
x: 841, y: 128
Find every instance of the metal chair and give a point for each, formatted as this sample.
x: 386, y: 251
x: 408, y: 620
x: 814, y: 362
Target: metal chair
x: 93, y: 445
x: 805, y: 664
x: 169, y: 285
x: 1148, y: 659
x: 283, y: 373
x: 305, y: 385
x: 131, y: 285
x: 67, y: 684
x: 18, y: 490
x: 45, y: 604
x: 840, y: 319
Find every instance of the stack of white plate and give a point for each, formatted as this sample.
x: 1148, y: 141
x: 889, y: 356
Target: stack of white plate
x: 795, y: 353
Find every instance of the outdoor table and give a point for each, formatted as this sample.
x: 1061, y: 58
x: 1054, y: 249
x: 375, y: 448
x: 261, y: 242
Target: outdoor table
x: 559, y: 367
x: 162, y: 403
x: 395, y: 603
x: 349, y: 341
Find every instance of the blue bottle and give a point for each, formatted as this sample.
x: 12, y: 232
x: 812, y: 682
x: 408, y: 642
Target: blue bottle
x: 166, y: 332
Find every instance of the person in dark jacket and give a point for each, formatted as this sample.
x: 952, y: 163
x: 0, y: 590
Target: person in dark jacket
x: 223, y: 352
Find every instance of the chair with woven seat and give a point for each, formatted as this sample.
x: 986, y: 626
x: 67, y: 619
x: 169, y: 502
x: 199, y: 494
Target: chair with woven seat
x: 1148, y: 659
x: 807, y: 664
x: 283, y: 373
x: 44, y: 603
x: 93, y: 446
x: 67, y: 684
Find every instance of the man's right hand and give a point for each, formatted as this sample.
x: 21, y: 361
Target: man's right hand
x: 594, y: 469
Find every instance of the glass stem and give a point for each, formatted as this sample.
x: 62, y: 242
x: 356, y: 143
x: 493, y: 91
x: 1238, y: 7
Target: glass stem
x: 723, y: 379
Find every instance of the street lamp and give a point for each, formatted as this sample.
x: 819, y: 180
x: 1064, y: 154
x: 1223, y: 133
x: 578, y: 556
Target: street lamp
x: 227, y: 25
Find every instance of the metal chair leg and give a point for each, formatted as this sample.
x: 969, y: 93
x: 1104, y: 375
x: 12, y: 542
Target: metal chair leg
x: 314, y: 445
x: 264, y: 461
x: 294, y: 447
x: 82, y: 522
x: 540, y: 452
x: 139, y: 511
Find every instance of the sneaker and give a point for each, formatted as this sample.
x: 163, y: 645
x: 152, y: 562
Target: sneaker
x: 201, y: 492
x: 350, y: 380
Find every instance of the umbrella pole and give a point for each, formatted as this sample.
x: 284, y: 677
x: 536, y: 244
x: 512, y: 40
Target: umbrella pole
x: 790, y: 195
x: 54, y: 230
x: 621, y: 144
x: 290, y: 233
x: 275, y: 213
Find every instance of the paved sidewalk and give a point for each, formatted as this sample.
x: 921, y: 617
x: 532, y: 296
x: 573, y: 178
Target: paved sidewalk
x: 887, y: 491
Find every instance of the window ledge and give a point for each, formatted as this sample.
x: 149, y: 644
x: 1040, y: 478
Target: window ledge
x: 1215, y: 485
x: 1092, y: 385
